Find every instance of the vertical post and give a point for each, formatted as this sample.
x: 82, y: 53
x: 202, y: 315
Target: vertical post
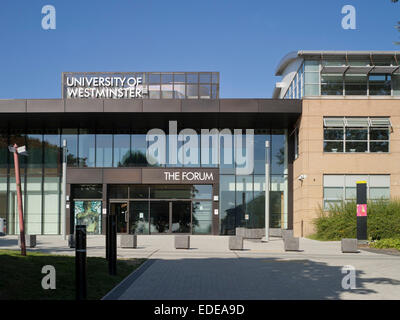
x: 19, y: 199
x: 80, y: 262
x: 64, y: 189
x: 362, y: 210
x: 112, y: 251
x: 266, y: 238
x: 107, y: 235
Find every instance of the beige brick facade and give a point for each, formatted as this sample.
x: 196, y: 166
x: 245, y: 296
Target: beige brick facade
x: 314, y: 163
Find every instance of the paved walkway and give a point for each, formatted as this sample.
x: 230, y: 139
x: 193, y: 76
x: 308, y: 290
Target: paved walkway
x: 262, y: 271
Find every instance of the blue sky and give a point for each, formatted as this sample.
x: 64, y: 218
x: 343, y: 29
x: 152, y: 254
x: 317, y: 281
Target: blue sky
x: 243, y: 40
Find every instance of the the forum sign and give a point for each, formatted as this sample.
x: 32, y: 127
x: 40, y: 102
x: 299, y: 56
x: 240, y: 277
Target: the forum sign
x: 102, y: 85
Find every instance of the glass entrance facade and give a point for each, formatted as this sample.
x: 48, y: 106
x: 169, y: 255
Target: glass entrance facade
x: 241, y: 198
x: 164, y: 209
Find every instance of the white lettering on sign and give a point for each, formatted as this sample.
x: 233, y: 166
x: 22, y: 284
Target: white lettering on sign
x: 188, y: 176
x: 104, y: 87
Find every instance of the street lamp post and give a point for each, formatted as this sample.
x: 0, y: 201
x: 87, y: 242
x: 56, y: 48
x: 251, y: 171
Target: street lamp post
x: 19, y: 150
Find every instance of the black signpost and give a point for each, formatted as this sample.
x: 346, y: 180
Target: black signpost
x: 80, y: 262
x: 112, y: 244
x: 362, y: 210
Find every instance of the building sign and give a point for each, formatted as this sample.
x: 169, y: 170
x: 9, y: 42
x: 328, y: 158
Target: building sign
x: 193, y: 176
x: 179, y: 176
x: 102, y: 86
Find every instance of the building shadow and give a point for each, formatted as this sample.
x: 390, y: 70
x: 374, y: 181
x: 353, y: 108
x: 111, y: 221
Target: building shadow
x: 248, y: 279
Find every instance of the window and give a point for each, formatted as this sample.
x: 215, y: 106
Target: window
x: 355, y: 84
x: 340, y: 188
x: 331, y: 85
x: 356, y: 134
x: 380, y: 85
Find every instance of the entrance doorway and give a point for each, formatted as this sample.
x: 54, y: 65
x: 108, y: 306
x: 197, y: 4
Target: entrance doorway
x: 170, y: 217
x: 162, y: 209
x: 120, y: 209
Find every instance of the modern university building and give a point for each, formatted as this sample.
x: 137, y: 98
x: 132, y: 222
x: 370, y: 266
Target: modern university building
x: 332, y: 121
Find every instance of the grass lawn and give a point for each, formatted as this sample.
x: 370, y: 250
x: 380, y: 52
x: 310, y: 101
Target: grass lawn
x: 21, y: 277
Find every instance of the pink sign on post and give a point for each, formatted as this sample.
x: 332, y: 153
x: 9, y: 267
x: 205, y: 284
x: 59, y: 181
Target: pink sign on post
x: 361, y: 210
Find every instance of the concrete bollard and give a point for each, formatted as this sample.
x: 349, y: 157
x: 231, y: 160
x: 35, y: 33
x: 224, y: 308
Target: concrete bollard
x: 128, y: 241
x: 182, y: 242
x: 291, y: 244
x: 71, y: 240
x: 30, y: 241
x: 349, y: 246
x: 235, y: 243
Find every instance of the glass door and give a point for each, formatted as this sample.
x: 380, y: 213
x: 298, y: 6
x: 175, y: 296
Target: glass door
x: 139, y: 217
x: 181, y: 216
x: 121, y: 211
x: 159, y: 217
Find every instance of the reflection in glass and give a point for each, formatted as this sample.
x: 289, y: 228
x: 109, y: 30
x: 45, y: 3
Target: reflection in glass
x: 202, y: 191
x: 104, y: 150
x: 278, y: 152
x: 356, y: 146
x: 333, y: 133
x: 86, y: 148
x: 380, y: 85
x: 181, y: 218
x: 227, y: 204
x: 71, y: 135
x: 138, y: 154
x: 379, y: 146
x: 122, y: 147
x: 51, y: 144
x: 356, y: 84
x: 139, y: 217
x: 333, y: 146
x: 159, y: 217
x: 35, y: 155
x: 202, y: 217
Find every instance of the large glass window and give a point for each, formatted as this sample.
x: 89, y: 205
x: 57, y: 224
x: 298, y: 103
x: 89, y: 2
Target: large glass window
x: 71, y: 135
x: 201, y: 217
x: 340, y: 188
x: 356, y: 84
x: 356, y: 135
x: 33, y: 205
x: 331, y: 85
x: 51, y: 205
x: 35, y: 155
x: 3, y: 153
x: 227, y: 204
x: 138, y: 151
x: 380, y: 85
x: 51, y: 144
x: 122, y: 149
x: 104, y: 147
x: 86, y: 148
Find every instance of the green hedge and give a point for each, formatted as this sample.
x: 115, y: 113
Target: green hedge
x: 340, y: 221
x: 386, y: 243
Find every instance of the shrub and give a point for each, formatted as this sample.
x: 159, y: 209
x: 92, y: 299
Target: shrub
x: 340, y: 221
x: 387, y: 243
